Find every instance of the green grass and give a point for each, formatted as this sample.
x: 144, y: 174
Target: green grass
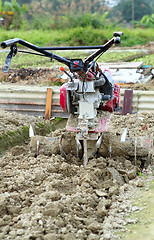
x: 148, y: 59
x: 18, y: 137
x: 75, y: 36
x: 26, y: 60
x: 144, y: 228
x: 79, y: 36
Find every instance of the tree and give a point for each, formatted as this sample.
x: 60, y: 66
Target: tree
x: 151, y: 3
x: 124, y: 10
x: 0, y: 6
x: 146, y: 21
x: 12, y: 13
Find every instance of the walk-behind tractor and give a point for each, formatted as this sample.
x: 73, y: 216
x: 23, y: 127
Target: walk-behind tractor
x: 90, y: 95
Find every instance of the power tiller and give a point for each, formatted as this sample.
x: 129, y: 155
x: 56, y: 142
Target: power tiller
x: 90, y: 95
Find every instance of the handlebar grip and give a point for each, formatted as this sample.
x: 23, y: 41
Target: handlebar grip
x: 9, y: 42
x: 117, y: 34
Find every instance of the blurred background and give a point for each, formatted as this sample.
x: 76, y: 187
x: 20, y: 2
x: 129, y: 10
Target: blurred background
x: 77, y: 22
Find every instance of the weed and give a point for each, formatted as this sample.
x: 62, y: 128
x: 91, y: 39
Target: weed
x: 140, y: 174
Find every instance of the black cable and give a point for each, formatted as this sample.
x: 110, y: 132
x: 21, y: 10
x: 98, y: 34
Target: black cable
x: 32, y: 53
x: 99, y: 56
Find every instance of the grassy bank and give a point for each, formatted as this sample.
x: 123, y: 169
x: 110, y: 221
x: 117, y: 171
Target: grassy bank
x: 18, y: 137
x: 21, y: 136
x: 80, y: 36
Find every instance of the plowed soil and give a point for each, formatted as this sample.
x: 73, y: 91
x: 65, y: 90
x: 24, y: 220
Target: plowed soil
x: 49, y: 197
x: 50, y: 76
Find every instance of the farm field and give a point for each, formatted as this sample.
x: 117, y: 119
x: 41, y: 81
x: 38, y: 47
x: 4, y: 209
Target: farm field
x: 52, y: 197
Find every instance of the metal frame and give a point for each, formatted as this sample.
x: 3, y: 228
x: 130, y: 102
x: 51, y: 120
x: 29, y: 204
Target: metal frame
x: 12, y: 43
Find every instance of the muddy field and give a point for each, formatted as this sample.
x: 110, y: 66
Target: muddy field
x: 32, y: 76
x: 50, y: 197
x: 51, y: 76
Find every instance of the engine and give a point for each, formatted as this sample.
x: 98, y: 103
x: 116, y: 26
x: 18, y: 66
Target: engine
x: 88, y: 96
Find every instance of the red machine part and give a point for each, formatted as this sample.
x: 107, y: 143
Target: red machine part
x: 116, y: 99
x: 63, y: 97
x: 109, y: 106
x: 76, y: 64
x: 102, y: 126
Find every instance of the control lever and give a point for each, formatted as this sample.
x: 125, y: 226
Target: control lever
x: 12, y: 53
x: 117, y: 34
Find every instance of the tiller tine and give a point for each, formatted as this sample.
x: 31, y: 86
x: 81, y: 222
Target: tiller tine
x: 85, y: 155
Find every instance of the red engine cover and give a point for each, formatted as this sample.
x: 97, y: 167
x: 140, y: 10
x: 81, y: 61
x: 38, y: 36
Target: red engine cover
x: 109, y: 106
x: 63, y: 97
